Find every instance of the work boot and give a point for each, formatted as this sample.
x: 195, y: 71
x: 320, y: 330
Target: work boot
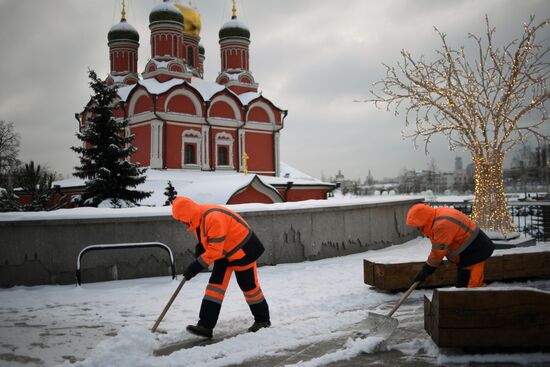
x: 259, y: 325
x: 200, y: 330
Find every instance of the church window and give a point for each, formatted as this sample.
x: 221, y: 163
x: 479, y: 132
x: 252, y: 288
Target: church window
x: 190, y: 153
x: 191, y: 149
x: 174, y: 45
x: 224, y: 150
x: 190, y: 57
x: 223, y: 155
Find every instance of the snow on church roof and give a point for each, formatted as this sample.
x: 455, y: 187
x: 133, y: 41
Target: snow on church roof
x: 234, y: 23
x: 288, y: 171
x: 123, y: 92
x: 205, y: 88
x: 203, y: 187
x: 247, y: 97
x: 123, y: 26
x: 212, y: 187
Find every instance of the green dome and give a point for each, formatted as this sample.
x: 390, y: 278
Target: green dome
x: 165, y: 11
x: 123, y: 31
x: 234, y: 28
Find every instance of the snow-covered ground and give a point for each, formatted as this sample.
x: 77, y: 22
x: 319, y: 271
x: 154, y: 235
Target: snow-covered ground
x: 206, y: 187
x: 315, y: 306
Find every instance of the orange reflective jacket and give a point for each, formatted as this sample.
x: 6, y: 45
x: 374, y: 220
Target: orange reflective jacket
x: 223, y: 232
x: 449, y: 230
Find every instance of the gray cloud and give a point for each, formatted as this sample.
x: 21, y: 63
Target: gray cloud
x: 312, y: 57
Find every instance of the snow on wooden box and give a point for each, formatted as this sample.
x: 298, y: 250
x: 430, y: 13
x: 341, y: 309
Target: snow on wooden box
x: 502, y: 266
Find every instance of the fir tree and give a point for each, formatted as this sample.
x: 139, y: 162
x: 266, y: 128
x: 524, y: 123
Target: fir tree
x: 105, y: 153
x: 171, y: 193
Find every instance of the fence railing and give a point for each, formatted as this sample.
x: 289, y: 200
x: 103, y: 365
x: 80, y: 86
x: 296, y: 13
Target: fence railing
x: 530, y: 217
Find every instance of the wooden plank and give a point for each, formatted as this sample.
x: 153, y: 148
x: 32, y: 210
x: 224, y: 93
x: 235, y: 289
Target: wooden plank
x: 368, y: 272
x: 520, y: 266
x: 430, y: 319
x: 488, y: 318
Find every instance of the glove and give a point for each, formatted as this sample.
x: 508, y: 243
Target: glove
x: 199, y: 250
x: 425, y: 272
x: 193, y: 269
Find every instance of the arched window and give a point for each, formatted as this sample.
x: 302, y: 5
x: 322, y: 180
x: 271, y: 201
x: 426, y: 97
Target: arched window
x: 190, y: 153
x: 224, y: 151
x: 191, y: 149
x: 223, y: 155
x: 190, y: 57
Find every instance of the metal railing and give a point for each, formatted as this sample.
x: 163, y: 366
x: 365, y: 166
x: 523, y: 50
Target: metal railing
x: 119, y: 246
x: 530, y: 217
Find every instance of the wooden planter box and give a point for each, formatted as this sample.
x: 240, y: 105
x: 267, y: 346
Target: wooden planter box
x: 532, y: 265
x: 488, y: 318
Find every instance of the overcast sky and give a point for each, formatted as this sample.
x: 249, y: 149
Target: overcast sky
x: 311, y: 57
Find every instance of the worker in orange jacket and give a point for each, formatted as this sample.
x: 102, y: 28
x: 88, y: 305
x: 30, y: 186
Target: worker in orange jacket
x: 455, y: 236
x: 226, y: 240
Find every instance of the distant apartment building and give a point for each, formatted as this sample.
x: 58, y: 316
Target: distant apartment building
x: 460, y: 180
x: 412, y: 181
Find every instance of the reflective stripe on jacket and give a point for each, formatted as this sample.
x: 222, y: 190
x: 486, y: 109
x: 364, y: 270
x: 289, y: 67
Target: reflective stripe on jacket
x: 222, y: 232
x: 449, y: 230
x: 452, y: 233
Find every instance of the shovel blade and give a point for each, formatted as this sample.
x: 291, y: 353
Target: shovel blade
x: 379, y: 325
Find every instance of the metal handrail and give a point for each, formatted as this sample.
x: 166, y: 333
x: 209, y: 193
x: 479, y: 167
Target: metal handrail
x: 123, y: 246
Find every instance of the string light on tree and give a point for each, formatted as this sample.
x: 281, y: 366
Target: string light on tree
x: 485, y: 105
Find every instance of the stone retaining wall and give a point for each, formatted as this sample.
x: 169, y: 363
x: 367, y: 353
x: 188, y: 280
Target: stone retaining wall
x: 36, y: 252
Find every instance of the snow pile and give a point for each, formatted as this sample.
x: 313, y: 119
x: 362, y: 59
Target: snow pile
x: 352, y: 348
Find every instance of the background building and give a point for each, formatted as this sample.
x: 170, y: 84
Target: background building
x: 181, y: 121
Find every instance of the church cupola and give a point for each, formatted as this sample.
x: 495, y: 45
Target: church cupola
x: 234, y: 45
x: 166, y: 24
x: 234, y: 42
x: 191, y: 36
x: 165, y: 12
x: 123, y: 51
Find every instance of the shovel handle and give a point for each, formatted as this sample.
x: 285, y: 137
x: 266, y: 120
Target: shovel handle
x: 405, y: 296
x: 154, y: 328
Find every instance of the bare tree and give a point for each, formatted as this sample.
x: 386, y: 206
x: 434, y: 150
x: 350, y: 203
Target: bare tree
x: 9, y: 147
x: 484, y: 104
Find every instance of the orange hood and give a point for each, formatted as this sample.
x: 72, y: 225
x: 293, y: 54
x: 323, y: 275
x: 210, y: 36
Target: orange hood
x: 421, y: 215
x: 187, y: 211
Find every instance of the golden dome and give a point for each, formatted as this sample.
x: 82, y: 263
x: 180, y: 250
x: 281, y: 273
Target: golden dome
x: 191, y: 20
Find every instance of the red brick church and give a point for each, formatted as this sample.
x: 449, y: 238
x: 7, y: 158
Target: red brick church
x: 188, y: 129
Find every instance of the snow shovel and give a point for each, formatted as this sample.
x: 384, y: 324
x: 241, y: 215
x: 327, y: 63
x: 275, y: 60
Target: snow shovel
x: 154, y: 328
x: 384, y: 325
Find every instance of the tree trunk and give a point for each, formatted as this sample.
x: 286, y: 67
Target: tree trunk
x: 490, y: 209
